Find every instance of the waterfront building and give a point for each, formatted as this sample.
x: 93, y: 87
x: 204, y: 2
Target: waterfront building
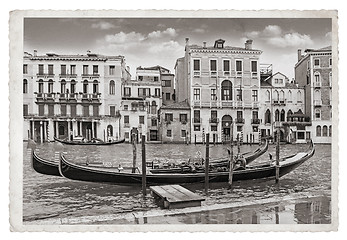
x: 175, y: 122
x: 313, y: 71
x: 221, y: 84
x: 282, y: 107
x: 66, y: 96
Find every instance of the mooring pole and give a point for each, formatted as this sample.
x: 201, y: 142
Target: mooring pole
x: 143, y: 165
x: 207, y: 161
x: 134, y: 153
x: 278, y: 156
x: 231, y: 163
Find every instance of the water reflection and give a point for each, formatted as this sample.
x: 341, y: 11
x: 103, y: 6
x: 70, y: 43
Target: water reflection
x: 49, y: 197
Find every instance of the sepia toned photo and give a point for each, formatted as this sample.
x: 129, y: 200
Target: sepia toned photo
x: 175, y: 119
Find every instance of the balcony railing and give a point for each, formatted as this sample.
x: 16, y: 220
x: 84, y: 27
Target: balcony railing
x: 227, y: 103
x: 317, y: 102
x: 213, y: 73
x: 255, y: 104
x: 214, y: 120
x: 254, y: 74
x: 90, y: 75
x: 126, y: 125
x: 67, y: 75
x: 45, y: 75
x: 197, y: 73
x: 279, y: 102
x: 45, y: 96
x: 91, y: 96
x: 240, y: 120
x: 239, y: 104
x: 255, y: 121
x: 197, y: 120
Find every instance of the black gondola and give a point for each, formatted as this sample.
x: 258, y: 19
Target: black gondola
x: 90, y: 174
x: 44, y: 166
x: 94, y: 141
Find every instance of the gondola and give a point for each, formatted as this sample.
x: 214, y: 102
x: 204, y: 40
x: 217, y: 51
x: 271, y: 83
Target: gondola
x: 267, y: 170
x: 94, y: 141
x: 44, y: 166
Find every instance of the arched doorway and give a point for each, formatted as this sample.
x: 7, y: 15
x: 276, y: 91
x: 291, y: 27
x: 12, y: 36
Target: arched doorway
x: 134, y: 135
x: 227, y: 90
x: 227, y: 122
x: 267, y: 116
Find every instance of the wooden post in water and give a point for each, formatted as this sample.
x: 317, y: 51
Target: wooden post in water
x: 207, y: 162
x: 231, y: 163
x: 278, y: 156
x: 143, y: 165
x: 134, y: 152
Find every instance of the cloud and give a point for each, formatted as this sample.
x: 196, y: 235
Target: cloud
x: 272, y: 30
x: 328, y: 35
x: 167, y: 47
x: 103, y: 25
x: 199, y: 30
x: 121, y: 38
x: 170, y: 32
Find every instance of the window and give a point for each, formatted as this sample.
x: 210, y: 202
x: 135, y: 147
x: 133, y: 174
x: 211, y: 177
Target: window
x: 154, y: 107
x: 112, y: 88
x: 166, y: 83
x: 50, y: 69
x: 238, y: 66
x: 154, y: 122
x: 73, y: 86
x: 63, y: 69
x: 126, y: 135
x: 125, y: 107
x: 126, y: 119
x: 197, y: 116
x: 95, y: 87
x: 267, y: 116
x: 25, y: 110
x: 40, y: 86
x: 63, y: 109
x: 41, y: 110
x: 196, y: 94
x: 73, y: 110
x: 86, y: 111
x: 281, y: 98
x: 329, y: 131
x: 183, y: 118
x: 268, y: 95
x: 63, y: 86
x: 213, y: 128
x: 299, y: 96
x: 167, y: 96
x: 144, y: 92
x: 109, y: 131
x: 25, y: 86
x: 254, y: 114
x: 317, y: 79
x: 283, y: 116
x: 25, y: 68
x: 318, y: 131
x: 277, y: 115
x: 50, y: 86
x: 254, y: 66
x: 239, y: 128
x: 255, y: 95
x: 289, y: 99
x: 127, y: 91
x: 85, y: 69
x: 169, y: 133
x: 227, y: 90
x: 317, y: 114
x: 239, y: 115
x: 51, y: 110
x: 330, y: 62
x: 239, y: 94
x: 196, y: 65
x: 95, y: 110
x: 214, y: 116
x: 316, y: 63
x: 140, y: 78
x: 85, y: 86
x: 157, y: 92
x: 325, y: 131
x: 112, y: 111
x: 168, y: 117
x: 213, y: 67
x: 226, y: 66
x: 197, y: 128
x: 72, y: 69
x: 183, y: 133
x: 156, y: 79
x: 95, y: 69
x: 40, y: 69
x: 141, y: 120
x: 213, y: 94
x: 111, y: 70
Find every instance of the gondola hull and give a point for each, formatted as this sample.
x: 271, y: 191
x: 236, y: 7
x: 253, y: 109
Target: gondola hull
x: 100, y: 143
x: 81, y: 173
x: 44, y: 166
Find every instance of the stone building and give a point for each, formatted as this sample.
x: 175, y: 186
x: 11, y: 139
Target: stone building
x: 221, y: 84
x: 313, y: 71
x: 66, y: 96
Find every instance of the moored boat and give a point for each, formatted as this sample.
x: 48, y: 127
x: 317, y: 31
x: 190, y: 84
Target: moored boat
x: 267, y: 170
x: 44, y: 166
x: 94, y: 141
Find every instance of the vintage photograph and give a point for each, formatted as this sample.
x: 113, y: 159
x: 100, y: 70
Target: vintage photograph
x: 178, y: 120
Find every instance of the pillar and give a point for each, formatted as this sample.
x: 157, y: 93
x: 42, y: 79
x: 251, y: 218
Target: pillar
x: 57, y: 129
x: 32, y: 125
x: 41, y: 131
x: 80, y: 128
x: 92, y: 135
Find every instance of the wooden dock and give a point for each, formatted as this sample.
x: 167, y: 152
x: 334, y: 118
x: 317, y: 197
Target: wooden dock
x: 175, y: 196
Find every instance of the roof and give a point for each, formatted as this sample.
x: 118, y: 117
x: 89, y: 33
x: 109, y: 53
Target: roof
x: 224, y: 48
x: 152, y: 68
x: 89, y: 56
x: 328, y: 48
x: 177, y: 105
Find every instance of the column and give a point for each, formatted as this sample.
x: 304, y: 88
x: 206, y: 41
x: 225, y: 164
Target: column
x: 92, y: 135
x: 81, y: 128
x: 69, y: 129
x: 32, y: 126
x: 57, y: 129
x: 41, y: 132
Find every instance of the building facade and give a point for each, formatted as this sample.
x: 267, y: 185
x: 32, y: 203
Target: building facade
x: 313, y: 71
x: 222, y: 84
x: 67, y: 96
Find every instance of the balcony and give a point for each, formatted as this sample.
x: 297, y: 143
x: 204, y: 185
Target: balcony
x: 94, y: 75
x: 45, y: 75
x: 214, y: 120
x: 280, y: 102
x: 126, y: 125
x: 255, y: 121
x: 65, y: 75
x: 213, y: 73
x: 90, y: 96
x: 196, y: 73
x: 317, y: 103
x: 226, y: 73
x: 227, y: 103
x: 239, y: 104
x: 197, y: 121
x: 45, y: 96
x: 240, y: 121
x: 254, y: 75
x: 196, y: 103
x: 167, y: 121
x: 238, y: 74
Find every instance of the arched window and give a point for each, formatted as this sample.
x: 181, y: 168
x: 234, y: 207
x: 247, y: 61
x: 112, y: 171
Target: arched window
x: 330, y: 131
x: 318, y: 131
x: 267, y: 116
x: 283, y: 113
x: 325, y: 131
x: 154, y: 107
x: 317, y: 95
x: 299, y: 96
x: 40, y: 86
x: 25, y: 86
x: 95, y: 87
x: 50, y: 86
x: 227, y: 90
x: 85, y: 86
x: 289, y: 96
x: 289, y: 114
x: 267, y: 95
x: 112, y: 87
x: 281, y: 95
x: 63, y: 86
x: 317, y: 79
x: 109, y: 131
x: 276, y: 95
x: 317, y: 114
x: 277, y: 115
x: 73, y: 86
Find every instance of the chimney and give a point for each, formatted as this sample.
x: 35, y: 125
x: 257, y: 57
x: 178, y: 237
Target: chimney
x: 299, y: 54
x: 187, y: 41
x: 204, y: 43
x: 248, y: 44
x: 35, y: 53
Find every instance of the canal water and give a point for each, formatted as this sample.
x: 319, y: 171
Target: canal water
x: 302, y: 197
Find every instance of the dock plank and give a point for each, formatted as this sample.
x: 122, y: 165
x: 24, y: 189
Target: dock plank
x: 178, y: 195
x: 188, y: 193
x: 163, y: 193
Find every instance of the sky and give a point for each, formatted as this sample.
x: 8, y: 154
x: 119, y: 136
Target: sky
x: 148, y: 42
